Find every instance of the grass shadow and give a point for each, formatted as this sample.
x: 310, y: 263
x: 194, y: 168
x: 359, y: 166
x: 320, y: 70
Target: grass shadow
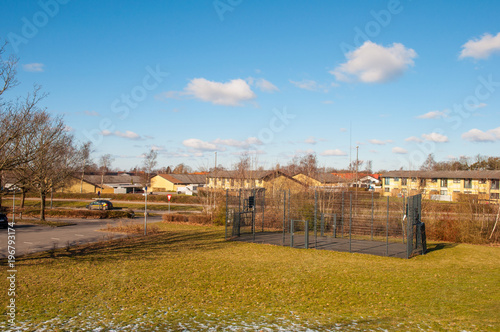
x: 144, y: 247
x: 440, y: 246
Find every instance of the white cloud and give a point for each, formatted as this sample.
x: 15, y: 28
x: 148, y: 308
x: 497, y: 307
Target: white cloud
x: 303, y: 152
x: 481, y: 48
x: 307, y: 85
x: 434, y: 115
x: 239, y: 144
x: 310, y: 140
x: 335, y: 152
x: 198, y: 144
x: 435, y: 137
x: 68, y: 129
x: 379, y: 142
x: 328, y: 102
x: 34, y: 67
x: 127, y: 134
x: 480, y: 105
x: 373, y: 63
x: 157, y: 148
x: 266, y: 86
x: 476, y: 135
x: 413, y: 139
x: 232, y: 93
x: 399, y: 150
x: 91, y: 113
x: 221, y: 144
x: 343, y: 130
x: 248, y: 152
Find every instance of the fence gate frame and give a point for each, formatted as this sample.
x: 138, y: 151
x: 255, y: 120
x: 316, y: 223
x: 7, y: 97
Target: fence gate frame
x: 416, y: 243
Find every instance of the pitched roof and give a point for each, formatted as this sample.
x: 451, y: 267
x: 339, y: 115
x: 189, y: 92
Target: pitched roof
x: 185, y: 178
x: 114, y: 179
x: 245, y: 175
x: 327, y: 178
x: 443, y: 174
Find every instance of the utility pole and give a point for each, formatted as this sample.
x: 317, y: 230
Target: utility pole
x: 357, y: 164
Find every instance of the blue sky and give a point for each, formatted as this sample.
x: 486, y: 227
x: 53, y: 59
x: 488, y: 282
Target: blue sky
x: 273, y: 79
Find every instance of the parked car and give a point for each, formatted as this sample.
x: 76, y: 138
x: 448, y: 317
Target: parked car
x: 4, y: 221
x: 100, y: 205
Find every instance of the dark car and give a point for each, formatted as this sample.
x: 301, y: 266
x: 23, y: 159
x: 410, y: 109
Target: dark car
x: 4, y: 221
x: 100, y: 205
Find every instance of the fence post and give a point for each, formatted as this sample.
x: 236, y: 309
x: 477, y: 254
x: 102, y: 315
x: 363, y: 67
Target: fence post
x: 263, y: 207
x: 227, y: 211
x: 239, y: 212
x: 291, y: 233
x: 342, y: 215
x: 387, y: 230
x: 335, y: 225
x: 372, y: 216
x: 315, y: 218
x: 306, y: 236
x: 253, y: 214
x: 284, y: 216
x: 322, y: 225
x: 350, y: 222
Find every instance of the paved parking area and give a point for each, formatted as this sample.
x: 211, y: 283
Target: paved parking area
x: 31, y: 238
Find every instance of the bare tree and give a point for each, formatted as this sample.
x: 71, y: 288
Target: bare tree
x: 149, y: 164
x: 16, y: 116
x: 429, y: 164
x: 182, y: 169
x: 105, y: 162
x: 56, y: 159
x: 84, y: 160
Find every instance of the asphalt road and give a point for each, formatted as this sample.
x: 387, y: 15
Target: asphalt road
x: 31, y: 238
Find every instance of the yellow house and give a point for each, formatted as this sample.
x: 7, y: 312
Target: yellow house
x: 321, y: 180
x: 76, y: 185
x: 443, y: 185
x: 111, y: 184
x: 177, y: 182
x: 234, y: 180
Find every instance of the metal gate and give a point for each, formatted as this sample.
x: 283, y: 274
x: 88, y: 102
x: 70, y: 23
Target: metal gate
x: 416, y: 239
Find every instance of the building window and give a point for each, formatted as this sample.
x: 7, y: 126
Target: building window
x: 494, y: 184
x: 443, y: 192
x: 387, y: 181
x: 232, y: 182
x: 468, y: 183
x: 215, y: 181
x: 413, y: 179
x: 494, y: 196
x: 422, y: 182
x: 456, y: 180
x: 434, y: 180
x: 386, y: 190
x: 444, y: 183
x: 396, y: 179
x: 403, y: 181
x: 482, y: 181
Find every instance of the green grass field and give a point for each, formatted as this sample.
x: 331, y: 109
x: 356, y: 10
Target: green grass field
x: 188, y: 278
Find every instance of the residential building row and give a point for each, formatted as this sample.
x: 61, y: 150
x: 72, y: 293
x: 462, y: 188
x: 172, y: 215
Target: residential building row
x: 443, y: 185
x: 438, y: 185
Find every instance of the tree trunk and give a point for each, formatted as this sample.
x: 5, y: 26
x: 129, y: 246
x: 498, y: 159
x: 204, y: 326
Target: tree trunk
x: 1, y: 193
x: 23, y: 197
x: 43, y: 195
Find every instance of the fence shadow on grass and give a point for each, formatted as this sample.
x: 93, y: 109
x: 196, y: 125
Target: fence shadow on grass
x: 136, y: 247
x: 440, y: 246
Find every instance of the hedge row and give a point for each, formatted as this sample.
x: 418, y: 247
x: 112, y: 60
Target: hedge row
x: 126, y: 197
x: 201, y: 219
x: 80, y: 213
